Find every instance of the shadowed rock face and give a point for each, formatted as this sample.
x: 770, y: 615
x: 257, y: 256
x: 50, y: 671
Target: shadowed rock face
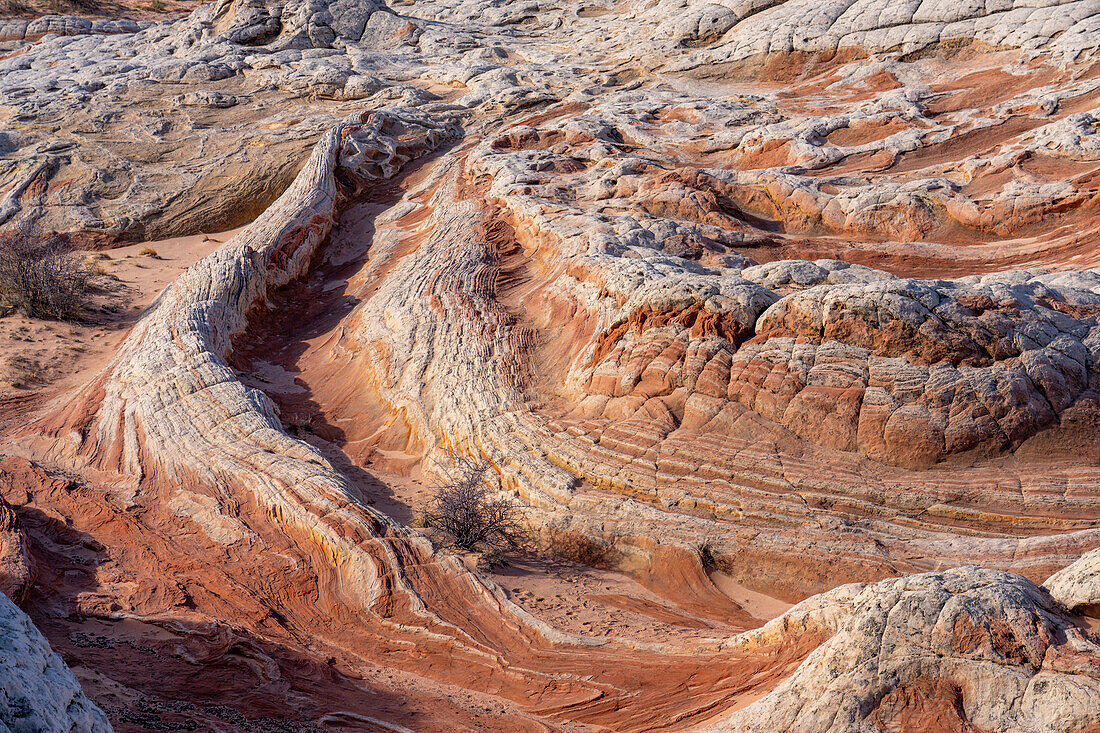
x: 15, y: 567
x: 806, y: 291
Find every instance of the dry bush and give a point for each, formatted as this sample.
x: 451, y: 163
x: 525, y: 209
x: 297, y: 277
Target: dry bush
x: 470, y: 515
x: 41, y: 276
x: 149, y: 252
x: 712, y: 559
x: 14, y: 8
x: 73, y: 7
x: 576, y: 547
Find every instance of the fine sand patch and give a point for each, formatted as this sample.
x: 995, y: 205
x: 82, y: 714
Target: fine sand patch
x: 41, y: 358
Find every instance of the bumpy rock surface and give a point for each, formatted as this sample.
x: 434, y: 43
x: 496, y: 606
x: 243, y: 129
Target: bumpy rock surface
x: 907, y: 648
x: 804, y: 291
x: 1078, y: 586
x: 37, y: 690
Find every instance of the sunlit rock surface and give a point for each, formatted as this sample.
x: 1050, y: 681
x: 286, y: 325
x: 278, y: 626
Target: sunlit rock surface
x: 800, y: 293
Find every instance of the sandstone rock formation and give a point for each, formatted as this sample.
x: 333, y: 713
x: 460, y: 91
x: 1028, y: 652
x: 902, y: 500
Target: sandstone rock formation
x: 913, y: 646
x: 802, y: 293
x: 15, y: 568
x: 37, y: 690
x: 1075, y: 587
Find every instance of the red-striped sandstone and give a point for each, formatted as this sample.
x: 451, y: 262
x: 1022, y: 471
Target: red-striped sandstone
x: 802, y: 291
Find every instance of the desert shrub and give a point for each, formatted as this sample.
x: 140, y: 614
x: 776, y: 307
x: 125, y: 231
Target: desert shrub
x: 70, y: 7
x: 14, y: 8
x: 712, y: 559
x: 41, y: 276
x: 576, y: 547
x: 468, y: 512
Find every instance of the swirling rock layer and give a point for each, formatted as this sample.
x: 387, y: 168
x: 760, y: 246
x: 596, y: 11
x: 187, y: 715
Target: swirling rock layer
x: 804, y: 295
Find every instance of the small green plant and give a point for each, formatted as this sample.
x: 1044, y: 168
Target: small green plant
x: 157, y: 6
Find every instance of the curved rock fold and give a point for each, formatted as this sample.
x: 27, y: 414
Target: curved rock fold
x: 803, y: 299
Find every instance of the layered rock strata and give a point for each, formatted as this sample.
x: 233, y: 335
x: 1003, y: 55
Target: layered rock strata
x: 806, y: 294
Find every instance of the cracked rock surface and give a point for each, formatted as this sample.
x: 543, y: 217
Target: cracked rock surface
x: 800, y: 295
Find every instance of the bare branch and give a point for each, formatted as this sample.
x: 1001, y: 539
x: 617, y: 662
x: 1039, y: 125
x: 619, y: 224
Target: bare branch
x: 470, y: 515
x: 41, y: 276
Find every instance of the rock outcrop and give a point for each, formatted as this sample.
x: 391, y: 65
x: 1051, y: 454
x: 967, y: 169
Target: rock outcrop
x: 37, y: 690
x: 804, y: 293
x: 968, y: 649
x: 16, y: 572
x: 1077, y: 587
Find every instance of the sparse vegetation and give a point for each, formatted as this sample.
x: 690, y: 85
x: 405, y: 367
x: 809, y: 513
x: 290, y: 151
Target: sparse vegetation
x: 575, y: 547
x: 149, y: 252
x: 467, y: 511
x: 13, y: 8
x: 24, y: 371
x: 71, y: 7
x: 41, y: 276
x: 711, y: 559
x: 157, y: 6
